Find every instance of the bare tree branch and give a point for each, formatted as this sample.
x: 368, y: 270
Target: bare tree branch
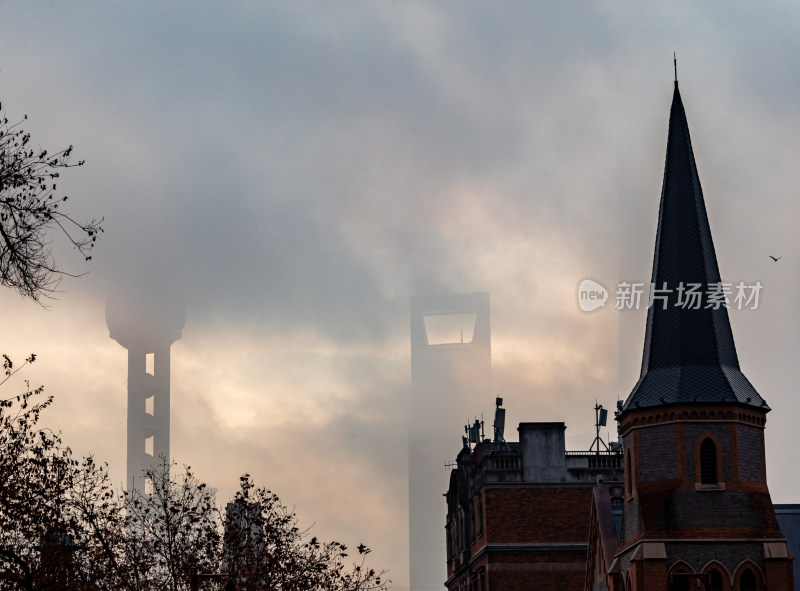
x: 30, y: 210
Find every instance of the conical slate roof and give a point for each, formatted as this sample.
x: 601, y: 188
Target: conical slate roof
x: 689, y: 353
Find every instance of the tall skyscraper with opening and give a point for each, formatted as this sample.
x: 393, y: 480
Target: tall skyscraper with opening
x: 451, y: 374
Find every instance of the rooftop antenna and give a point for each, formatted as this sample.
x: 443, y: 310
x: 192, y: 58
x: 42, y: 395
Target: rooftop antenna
x: 500, y: 423
x: 499, y: 420
x: 600, y: 418
x: 473, y: 433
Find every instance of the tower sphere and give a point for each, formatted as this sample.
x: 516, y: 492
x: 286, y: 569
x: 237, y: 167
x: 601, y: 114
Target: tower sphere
x: 145, y: 320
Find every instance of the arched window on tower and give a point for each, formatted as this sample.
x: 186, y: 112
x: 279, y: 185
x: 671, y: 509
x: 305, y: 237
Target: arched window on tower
x: 681, y: 578
x: 715, y: 581
x: 680, y: 583
x: 708, y: 462
x: 747, y: 582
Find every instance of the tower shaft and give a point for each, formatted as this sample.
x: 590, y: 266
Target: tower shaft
x: 148, y: 412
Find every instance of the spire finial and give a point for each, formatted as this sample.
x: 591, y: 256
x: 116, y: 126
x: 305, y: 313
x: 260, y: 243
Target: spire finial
x: 675, y: 64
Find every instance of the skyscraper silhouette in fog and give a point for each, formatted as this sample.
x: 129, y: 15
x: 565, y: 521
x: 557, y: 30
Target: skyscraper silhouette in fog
x: 451, y: 374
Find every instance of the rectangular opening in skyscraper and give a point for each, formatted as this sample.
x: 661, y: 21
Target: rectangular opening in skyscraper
x: 450, y: 329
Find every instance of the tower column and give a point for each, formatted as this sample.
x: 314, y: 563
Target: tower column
x: 161, y: 404
x: 146, y: 326
x: 136, y: 409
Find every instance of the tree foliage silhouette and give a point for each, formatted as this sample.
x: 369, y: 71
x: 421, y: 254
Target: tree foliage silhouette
x: 30, y: 210
x: 266, y: 549
x: 64, y: 525
x: 34, y: 479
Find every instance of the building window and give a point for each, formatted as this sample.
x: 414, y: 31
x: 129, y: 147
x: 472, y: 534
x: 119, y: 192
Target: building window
x: 681, y: 578
x: 480, y: 516
x: 715, y: 581
x: 471, y: 522
x: 747, y: 582
x: 708, y: 462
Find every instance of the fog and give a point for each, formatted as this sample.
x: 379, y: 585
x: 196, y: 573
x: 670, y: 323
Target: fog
x: 297, y: 171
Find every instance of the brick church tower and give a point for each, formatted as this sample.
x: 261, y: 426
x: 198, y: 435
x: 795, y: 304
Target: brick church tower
x: 696, y: 512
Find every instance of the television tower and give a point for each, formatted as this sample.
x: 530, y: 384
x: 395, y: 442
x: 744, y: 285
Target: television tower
x: 146, y: 326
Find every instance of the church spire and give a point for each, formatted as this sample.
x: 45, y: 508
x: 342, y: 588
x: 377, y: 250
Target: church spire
x: 689, y: 353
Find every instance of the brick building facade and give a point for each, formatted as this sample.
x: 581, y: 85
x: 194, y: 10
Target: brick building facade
x: 517, y: 513
x: 688, y: 508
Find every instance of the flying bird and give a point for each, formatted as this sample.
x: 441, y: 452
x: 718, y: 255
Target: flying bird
x: 774, y: 259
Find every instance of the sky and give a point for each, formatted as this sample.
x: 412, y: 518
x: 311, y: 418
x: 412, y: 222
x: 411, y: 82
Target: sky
x: 298, y: 170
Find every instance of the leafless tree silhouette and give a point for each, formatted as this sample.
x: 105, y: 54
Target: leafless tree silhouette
x: 30, y: 210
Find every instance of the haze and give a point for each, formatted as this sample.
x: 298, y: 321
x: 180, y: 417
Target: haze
x: 299, y: 170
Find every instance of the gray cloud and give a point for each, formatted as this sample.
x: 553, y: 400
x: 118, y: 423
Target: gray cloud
x: 299, y: 170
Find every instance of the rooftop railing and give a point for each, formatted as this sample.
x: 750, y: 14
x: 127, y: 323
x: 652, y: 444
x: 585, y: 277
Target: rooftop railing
x: 597, y: 460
